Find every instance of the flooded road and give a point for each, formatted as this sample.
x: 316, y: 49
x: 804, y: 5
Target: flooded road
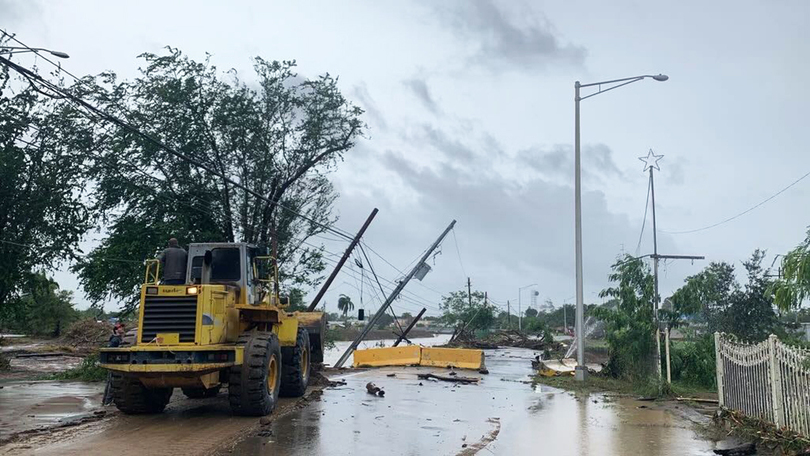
x: 504, y: 414
x: 31, y: 405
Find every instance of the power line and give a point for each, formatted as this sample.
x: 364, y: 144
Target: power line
x: 458, y: 252
x: 743, y: 212
x: 31, y: 77
x: 644, y: 220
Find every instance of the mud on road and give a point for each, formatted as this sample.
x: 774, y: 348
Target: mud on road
x: 187, y: 427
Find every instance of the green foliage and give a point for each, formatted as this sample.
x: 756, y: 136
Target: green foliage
x: 629, y: 325
x: 406, y: 316
x: 459, y: 310
x: 345, y: 304
x: 714, y: 296
x: 530, y: 312
x: 385, y: 321
x: 42, y: 309
x: 278, y: 135
x: 43, y: 194
x: 536, y: 325
x: 296, y: 296
x: 693, y: 362
x: 87, y: 371
x: 793, y: 287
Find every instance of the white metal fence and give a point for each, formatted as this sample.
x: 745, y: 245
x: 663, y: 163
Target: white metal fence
x: 768, y: 380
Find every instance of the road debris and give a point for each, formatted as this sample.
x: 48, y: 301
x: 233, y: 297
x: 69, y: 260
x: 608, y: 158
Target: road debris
x: 374, y: 390
x: 456, y: 379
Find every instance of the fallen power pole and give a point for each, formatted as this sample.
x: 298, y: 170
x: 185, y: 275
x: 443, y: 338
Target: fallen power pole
x: 410, y: 326
x: 340, y: 263
x: 400, y: 286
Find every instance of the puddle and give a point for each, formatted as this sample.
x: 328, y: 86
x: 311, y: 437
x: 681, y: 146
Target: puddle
x: 29, y: 405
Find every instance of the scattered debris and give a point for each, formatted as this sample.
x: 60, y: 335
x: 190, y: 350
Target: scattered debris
x: 504, y: 338
x: 391, y: 375
x: 87, y: 334
x: 265, y: 420
x: 698, y: 399
x: 374, y: 389
x: 457, y: 379
x: 741, y: 450
x: 483, y: 370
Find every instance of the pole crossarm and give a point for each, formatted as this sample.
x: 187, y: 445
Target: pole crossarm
x: 678, y: 257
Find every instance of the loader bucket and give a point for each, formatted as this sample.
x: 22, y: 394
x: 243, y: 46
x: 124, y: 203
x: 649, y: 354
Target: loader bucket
x: 315, y: 324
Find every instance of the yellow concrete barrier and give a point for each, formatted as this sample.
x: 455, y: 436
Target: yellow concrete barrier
x: 461, y: 358
x: 392, y: 356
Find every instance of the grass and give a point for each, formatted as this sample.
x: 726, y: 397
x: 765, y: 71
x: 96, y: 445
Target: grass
x: 87, y: 371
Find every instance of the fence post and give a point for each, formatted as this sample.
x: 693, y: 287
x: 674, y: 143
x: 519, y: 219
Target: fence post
x: 776, y: 384
x: 719, y: 363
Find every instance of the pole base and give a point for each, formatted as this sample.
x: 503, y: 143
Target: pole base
x: 580, y: 373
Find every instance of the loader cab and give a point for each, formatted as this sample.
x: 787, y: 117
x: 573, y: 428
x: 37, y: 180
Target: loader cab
x: 243, y: 266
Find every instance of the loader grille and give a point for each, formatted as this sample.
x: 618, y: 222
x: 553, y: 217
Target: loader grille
x: 169, y: 314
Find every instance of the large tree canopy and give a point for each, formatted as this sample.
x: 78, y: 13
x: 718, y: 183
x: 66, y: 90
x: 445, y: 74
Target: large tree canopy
x: 278, y: 135
x: 43, y: 199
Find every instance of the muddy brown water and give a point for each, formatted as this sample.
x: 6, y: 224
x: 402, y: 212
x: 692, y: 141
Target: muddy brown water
x: 501, y: 415
x: 504, y: 414
x: 31, y: 405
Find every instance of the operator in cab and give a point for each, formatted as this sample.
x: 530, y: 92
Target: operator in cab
x: 173, y: 262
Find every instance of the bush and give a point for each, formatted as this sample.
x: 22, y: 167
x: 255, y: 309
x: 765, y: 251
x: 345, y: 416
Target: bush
x: 87, y: 371
x: 88, y: 333
x: 693, y: 362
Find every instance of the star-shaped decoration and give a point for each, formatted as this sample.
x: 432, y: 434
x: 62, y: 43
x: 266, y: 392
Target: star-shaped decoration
x: 651, y: 161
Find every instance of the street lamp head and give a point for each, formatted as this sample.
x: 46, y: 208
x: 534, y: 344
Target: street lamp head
x: 660, y: 77
x: 59, y: 54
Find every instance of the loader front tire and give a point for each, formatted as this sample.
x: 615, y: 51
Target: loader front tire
x: 296, y: 366
x: 132, y: 397
x: 253, y: 387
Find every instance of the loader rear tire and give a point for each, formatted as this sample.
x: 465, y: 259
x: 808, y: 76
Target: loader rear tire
x: 201, y: 393
x: 132, y: 397
x: 296, y: 366
x: 253, y: 387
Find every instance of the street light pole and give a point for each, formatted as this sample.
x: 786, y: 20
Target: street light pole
x: 17, y: 50
x: 581, y: 371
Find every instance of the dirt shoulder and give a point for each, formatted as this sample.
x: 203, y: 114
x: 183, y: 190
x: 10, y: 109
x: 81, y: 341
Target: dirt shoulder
x: 187, y: 427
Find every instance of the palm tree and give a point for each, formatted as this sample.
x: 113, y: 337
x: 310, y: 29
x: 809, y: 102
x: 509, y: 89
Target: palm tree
x: 345, y: 304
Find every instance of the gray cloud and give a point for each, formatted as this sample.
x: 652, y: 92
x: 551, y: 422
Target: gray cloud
x: 360, y: 93
x: 451, y: 148
x: 16, y: 11
x: 502, y: 39
x: 422, y: 92
x: 558, y: 160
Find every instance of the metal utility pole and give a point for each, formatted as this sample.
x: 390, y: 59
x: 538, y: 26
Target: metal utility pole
x: 651, y: 162
x: 340, y: 263
x: 400, y: 286
x: 581, y: 371
x: 410, y: 326
x: 469, y: 293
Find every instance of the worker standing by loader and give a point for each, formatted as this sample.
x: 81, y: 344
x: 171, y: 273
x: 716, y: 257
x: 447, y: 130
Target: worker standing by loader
x: 173, y: 262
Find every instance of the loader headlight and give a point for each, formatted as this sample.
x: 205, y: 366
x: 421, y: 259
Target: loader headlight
x: 192, y: 290
x: 151, y: 290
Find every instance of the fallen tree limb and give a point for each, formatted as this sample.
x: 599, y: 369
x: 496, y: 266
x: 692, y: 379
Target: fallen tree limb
x: 43, y: 355
x: 449, y: 379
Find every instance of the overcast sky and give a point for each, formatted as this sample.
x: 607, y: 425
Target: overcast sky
x: 470, y: 112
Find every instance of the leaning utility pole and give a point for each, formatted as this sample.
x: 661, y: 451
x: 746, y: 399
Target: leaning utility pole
x: 400, y: 286
x: 340, y: 263
x: 651, y: 162
x: 410, y: 327
x: 508, y: 316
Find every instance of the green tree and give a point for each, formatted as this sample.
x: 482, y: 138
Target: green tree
x: 459, y: 310
x: 345, y: 304
x: 45, y: 310
x: 629, y: 325
x: 385, y: 321
x: 406, y: 316
x: 530, y: 312
x: 715, y: 296
x: 43, y: 193
x: 793, y: 287
x: 278, y: 135
x: 296, y: 296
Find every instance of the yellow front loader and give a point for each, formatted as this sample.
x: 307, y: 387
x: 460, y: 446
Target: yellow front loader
x: 227, y: 325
